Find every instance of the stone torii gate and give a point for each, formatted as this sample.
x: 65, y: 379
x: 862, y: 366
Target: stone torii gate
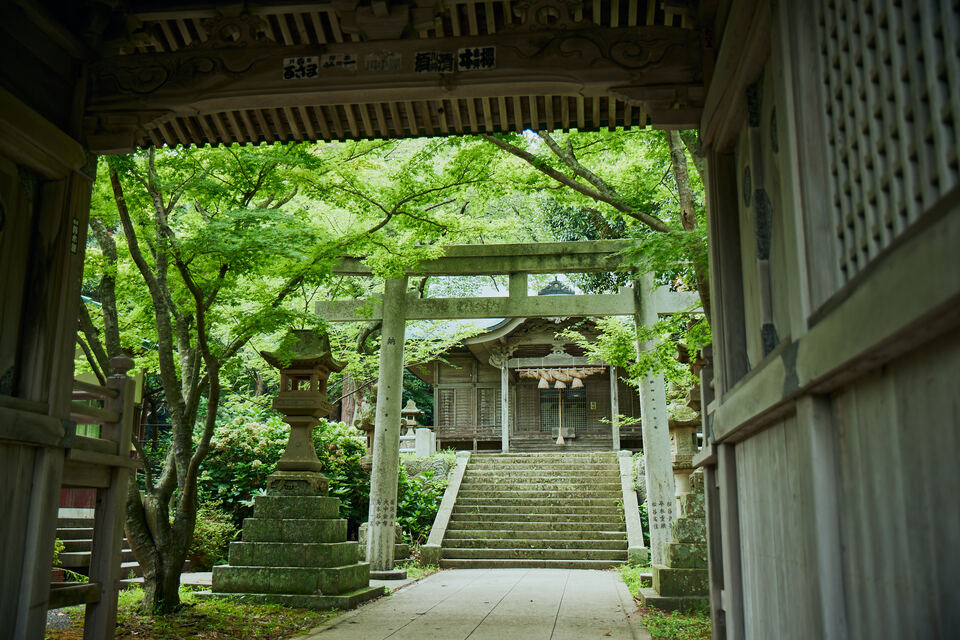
x: 642, y: 301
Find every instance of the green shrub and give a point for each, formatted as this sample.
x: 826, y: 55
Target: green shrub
x: 418, y: 500
x: 58, y: 548
x: 245, y: 452
x: 211, y: 536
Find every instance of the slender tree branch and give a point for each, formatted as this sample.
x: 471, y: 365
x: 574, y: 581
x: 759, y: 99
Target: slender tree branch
x: 100, y: 357
x: 616, y: 202
x: 91, y: 360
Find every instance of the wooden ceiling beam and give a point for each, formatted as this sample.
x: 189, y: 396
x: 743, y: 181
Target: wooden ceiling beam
x: 654, y: 69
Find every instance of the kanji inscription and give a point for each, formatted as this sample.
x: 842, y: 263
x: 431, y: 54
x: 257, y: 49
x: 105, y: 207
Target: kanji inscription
x: 433, y: 62
x: 476, y: 58
x: 300, y: 68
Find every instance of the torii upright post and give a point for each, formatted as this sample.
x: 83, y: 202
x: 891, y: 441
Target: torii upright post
x: 386, y: 436
x: 656, y: 434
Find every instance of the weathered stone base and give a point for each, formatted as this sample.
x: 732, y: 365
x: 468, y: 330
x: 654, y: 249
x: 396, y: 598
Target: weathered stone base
x: 346, y: 600
x: 295, y: 551
x: 638, y: 555
x: 651, y: 598
x: 671, y: 582
x: 684, y: 555
x: 291, y: 580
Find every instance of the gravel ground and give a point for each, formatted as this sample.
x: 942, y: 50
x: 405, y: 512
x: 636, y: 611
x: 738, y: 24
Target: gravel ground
x: 58, y: 618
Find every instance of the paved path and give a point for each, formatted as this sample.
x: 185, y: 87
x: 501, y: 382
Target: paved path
x: 497, y: 604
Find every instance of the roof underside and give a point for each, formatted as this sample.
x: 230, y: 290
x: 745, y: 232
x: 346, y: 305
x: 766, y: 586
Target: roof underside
x: 221, y: 72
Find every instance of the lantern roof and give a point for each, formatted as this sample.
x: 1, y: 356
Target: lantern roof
x: 303, y: 349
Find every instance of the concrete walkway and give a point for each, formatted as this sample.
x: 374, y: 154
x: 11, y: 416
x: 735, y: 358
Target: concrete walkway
x: 496, y: 604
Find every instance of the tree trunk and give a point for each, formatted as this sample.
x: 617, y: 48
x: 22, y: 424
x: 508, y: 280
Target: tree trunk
x: 148, y: 530
x: 688, y: 212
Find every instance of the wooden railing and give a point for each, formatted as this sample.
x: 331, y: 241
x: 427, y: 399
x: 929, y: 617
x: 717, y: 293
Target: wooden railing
x: 103, y: 463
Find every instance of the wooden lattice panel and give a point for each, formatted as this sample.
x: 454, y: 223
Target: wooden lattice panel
x: 488, y: 407
x: 892, y: 102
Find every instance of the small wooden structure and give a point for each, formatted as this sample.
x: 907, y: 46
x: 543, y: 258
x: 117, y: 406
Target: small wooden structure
x: 468, y: 400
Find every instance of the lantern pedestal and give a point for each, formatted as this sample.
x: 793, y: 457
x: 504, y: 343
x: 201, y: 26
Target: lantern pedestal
x: 297, y: 483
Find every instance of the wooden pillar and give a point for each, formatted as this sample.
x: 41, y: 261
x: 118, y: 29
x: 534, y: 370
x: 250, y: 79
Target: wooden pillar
x: 101, y: 616
x: 504, y: 407
x: 614, y: 409
x: 386, y: 438
x: 711, y: 499
x: 731, y: 597
x: 661, y: 500
x: 39, y: 330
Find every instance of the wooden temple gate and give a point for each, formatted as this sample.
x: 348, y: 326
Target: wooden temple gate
x: 830, y: 137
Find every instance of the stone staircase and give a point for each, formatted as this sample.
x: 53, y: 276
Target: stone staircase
x: 77, y: 537
x: 556, y: 510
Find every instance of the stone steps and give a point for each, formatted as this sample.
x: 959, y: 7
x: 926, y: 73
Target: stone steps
x: 572, y: 510
x: 538, y: 510
x: 544, y: 494
x: 535, y: 523
x: 517, y: 534
x: 540, y: 543
x: 507, y: 499
x: 461, y: 553
x: 545, y: 484
x: 512, y: 474
x: 525, y: 563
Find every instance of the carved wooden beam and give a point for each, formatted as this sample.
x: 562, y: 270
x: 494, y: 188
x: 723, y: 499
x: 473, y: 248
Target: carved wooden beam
x: 503, y: 82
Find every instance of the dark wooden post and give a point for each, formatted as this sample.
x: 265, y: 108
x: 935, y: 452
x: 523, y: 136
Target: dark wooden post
x: 105, y: 557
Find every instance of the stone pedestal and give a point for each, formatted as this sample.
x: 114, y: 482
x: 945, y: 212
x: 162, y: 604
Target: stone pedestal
x: 681, y: 582
x: 401, y: 550
x: 294, y: 550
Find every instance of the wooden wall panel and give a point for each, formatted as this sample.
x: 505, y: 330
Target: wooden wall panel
x: 458, y: 370
x: 777, y: 535
x: 598, y: 403
x: 528, y: 407
x: 898, y: 446
x: 15, y: 222
x: 486, y: 373
x: 16, y: 470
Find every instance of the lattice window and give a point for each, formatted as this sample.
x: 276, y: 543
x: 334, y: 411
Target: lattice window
x: 575, y: 409
x: 892, y: 101
x: 549, y: 410
x: 568, y: 407
x: 488, y: 407
x: 446, y: 410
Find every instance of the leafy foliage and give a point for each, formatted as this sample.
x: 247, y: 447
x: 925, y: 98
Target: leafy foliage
x: 211, y: 536
x: 245, y: 452
x: 418, y: 500
x: 617, y: 344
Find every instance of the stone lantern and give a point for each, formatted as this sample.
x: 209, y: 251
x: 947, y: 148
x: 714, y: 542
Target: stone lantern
x: 294, y: 550
x: 411, y: 415
x: 305, y: 363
